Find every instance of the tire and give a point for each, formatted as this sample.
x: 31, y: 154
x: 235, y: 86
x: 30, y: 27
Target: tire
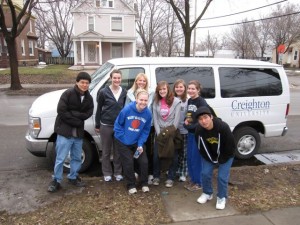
x: 247, y: 142
x: 86, y: 157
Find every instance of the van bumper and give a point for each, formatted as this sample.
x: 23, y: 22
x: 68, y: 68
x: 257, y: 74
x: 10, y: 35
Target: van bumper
x: 36, y: 147
x: 285, y: 129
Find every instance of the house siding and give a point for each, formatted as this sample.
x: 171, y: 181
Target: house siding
x: 102, y: 35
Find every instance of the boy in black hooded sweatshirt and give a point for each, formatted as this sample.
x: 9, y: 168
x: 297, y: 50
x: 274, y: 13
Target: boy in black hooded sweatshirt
x: 217, y: 146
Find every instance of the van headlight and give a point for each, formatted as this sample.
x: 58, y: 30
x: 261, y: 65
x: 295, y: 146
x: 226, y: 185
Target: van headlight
x: 34, y: 126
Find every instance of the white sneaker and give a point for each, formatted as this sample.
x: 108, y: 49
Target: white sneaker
x: 221, y: 202
x: 204, y: 198
x: 107, y: 178
x: 132, y: 191
x: 150, y: 179
x: 119, y: 177
x: 169, y: 183
x: 182, y: 179
x: 145, y: 189
x: 156, y: 181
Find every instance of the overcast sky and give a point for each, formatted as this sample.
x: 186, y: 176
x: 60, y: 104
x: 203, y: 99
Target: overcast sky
x: 225, y: 7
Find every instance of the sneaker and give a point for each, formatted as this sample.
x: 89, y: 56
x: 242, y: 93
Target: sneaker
x: 182, y: 179
x: 54, y: 186
x: 145, y: 189
x: 204, y: 198
x: 132, y: 191
x: 156, y: 181
x: 194, y: 187
x: 119, y: 177
x: 150, y: 179
x: 169, y: 183
x: 107, y: 178
x: 221, y: 202
x: 77, y: 182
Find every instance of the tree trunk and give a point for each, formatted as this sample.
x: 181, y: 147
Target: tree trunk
x: 15, y: 83
x: 187, y: 42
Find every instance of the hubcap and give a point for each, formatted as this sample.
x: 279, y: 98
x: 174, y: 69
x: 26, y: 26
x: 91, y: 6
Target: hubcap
x: 246, y: 145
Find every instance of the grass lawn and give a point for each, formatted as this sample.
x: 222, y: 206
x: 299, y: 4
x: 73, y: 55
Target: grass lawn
x: 52, y: 70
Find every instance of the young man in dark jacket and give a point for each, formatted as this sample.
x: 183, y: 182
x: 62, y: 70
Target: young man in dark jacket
x: 217, y: 146
x: 74, y: 107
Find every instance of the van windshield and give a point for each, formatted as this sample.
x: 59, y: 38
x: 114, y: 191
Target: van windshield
x: 98, y: 75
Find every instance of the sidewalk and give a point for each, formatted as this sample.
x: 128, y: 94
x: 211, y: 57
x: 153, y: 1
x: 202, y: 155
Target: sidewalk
x: 287, y: 216
x: 184, y: 210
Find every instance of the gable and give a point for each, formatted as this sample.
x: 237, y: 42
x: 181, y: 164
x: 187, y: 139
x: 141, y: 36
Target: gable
x: 90, y: 34
x: 120, y: 7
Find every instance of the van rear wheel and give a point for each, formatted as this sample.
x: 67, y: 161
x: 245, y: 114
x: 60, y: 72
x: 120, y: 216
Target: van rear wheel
x: 247, y: 142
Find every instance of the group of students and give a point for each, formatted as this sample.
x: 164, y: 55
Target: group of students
x: 147, y: 130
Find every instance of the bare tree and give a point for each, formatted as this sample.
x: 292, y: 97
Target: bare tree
x: 164, y: 43
x: 11, y: 27
x: 55, y: 22
x: 261, y: 35
x: 185, y: 21
x: 150, y: 21
x: 211, y: 43
x: 284, y: 28
x: 241, y: 41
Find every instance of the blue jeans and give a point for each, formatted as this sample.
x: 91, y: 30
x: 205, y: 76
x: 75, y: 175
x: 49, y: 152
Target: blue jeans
x: 63, y: 147
x: 194, y: 160
x: 223, y: 177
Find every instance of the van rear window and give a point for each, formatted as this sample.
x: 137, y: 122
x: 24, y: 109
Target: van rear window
x: 204, y: 75
x: 249, y: 82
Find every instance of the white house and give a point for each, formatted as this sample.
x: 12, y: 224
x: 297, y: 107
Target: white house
x: 103, y: 29
x: 291, y: 57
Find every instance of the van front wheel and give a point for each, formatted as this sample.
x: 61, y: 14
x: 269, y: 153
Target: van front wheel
x: 247, y: 142
x: 86, y: 156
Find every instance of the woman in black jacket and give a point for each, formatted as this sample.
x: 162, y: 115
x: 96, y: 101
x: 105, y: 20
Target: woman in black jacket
x: 111, y: 100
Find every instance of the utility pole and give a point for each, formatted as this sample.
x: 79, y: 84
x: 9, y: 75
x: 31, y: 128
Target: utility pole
x: 195, y: 16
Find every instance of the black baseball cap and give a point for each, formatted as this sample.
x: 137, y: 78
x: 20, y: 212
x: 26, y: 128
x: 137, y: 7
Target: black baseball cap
x: 202, y: 110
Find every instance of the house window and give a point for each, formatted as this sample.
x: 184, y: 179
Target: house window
x: 107, y: 3
x: 116, y: 23
x: 23, y: 47
x: 116, y: 50
x: 97, y: 3
x: 91, y: 22
x: 296, y: 55
x: 31, y: 53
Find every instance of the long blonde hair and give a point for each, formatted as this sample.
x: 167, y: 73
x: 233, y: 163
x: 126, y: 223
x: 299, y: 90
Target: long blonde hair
x: 135, y: 86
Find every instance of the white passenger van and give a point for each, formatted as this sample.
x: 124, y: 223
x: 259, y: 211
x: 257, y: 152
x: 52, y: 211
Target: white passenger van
x: 251, y: 96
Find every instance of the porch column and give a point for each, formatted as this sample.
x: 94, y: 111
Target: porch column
x: 75, y: 53
x: 134, y: 49
x: 82, y: 53
x: 100, y: 53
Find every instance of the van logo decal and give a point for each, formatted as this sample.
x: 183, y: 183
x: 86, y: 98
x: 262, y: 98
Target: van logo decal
x: 250, y: 105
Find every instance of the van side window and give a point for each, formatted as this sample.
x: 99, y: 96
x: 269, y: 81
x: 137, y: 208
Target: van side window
x: 128, y: 77
x: 249, y: 82
x: 204, y: 75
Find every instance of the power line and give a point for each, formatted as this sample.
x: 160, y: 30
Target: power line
x: 250, y: 21
x: 249, y: 10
